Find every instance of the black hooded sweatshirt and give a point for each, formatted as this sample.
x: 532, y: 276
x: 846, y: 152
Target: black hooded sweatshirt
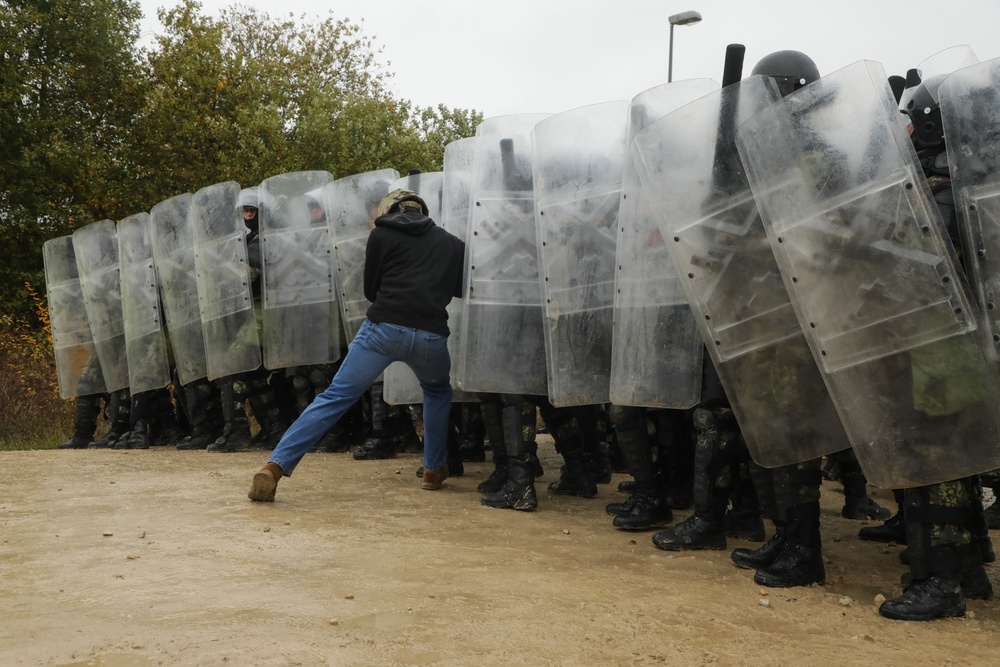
x: 413, y: 268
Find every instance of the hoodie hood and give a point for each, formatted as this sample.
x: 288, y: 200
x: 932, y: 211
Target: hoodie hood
x: 409, y: 222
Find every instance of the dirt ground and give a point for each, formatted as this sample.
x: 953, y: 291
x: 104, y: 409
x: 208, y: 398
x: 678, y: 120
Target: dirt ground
x: 134, y: 558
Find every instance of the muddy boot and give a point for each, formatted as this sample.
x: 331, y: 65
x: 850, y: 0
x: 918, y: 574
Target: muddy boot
x: 518, y: 492
x: 85, y: 422
x: 265, y: 483
x: 492, y: 411
x: 236, y: 432
x: 857, y: 503
x: 800, y: 563
x: 765, y: 555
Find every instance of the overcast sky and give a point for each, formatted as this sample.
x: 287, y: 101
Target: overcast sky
x: 547, y: 56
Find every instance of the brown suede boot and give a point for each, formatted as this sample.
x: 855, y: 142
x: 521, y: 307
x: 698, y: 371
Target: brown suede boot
x: 434, y: 478
x: 265, y: 483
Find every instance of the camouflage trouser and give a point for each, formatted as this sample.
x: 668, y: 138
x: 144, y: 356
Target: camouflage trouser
x: 784, y: 488
x: 955, y: 494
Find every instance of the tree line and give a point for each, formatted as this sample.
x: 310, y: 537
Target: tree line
x: 95, y: 126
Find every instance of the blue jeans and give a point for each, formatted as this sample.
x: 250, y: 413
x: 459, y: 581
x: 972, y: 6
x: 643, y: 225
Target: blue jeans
x: 372, y: 350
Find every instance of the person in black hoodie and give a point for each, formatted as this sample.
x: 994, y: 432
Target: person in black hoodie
x: 413, y: 268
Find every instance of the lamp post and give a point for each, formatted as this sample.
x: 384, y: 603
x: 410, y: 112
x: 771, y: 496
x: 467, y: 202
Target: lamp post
x: 684, y: 18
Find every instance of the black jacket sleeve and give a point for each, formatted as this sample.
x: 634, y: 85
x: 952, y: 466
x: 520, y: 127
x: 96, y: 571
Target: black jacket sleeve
x: 373, y: 267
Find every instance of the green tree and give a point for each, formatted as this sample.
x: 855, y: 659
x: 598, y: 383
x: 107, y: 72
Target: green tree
x: 68, y: 89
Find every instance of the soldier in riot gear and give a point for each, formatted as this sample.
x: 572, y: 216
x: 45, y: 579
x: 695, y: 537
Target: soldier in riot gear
x: 942, y: 523
x: 251, y: 386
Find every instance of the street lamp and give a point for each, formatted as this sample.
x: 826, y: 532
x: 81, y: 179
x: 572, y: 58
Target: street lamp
x: 684, y: 18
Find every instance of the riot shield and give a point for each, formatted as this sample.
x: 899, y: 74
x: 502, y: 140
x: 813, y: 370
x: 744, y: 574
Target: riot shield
x: 173, y: 252
x: 970, y: 113
x: 577, y: 157
x: 941, y: 63
x: 691, y: 175
x: 220, y: 252
x: 503, y: 350
x: 96, y: 248
x: 857, y: 234
x: 656, y: 353
x: 145, y: 340
x: 77, y: 366
x: 351, y: 204
x: 401, y: 385
x: 301, y: 318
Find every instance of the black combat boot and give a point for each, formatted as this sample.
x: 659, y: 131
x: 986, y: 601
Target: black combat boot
x: 518, y: 492
x: 236, y: 432
x: 857, y: 503
x: 380, y: 444
x: 647, y: 507
x: 934, y: 589
x: 800, y: 563
x: 119, y: 410
x: 138, y: 437
x: 203, y: 407
x: 492, y: 411
x: 85, y: 422
x: 574, y: 478
x: 892, y: 530
x: 766, y: 554
x: 565, y: 426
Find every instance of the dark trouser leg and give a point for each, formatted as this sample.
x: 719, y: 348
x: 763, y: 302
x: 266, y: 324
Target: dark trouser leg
x: 379, y: 445
x: 647, y: 507
x: 754, y: 559
x: 575, y: 478
x: 85, y: 422
x: 800, y: 563
x: 140, y: 421
x: 714, y: 474
x: 236, y: 431
x: 518, y: 492
x: 743, y: 520
x: 491, y: 406
x: 472, y: 432
x: 204, y: 409
x: 266, y: 410
x: 675, y: 455
x: 119, y: 408
x: 937, y: 519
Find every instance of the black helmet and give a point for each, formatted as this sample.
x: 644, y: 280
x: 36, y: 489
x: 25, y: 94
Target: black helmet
x: 790, y: 69
x: 924, y: 111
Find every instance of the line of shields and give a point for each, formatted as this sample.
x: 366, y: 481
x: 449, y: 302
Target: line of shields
x: 610, y: 248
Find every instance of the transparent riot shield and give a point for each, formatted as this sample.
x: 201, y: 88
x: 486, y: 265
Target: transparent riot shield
x: 875, y: 284
x: 228, y: 320
x: 503, y: 350
x: 173, y: 251
x: 78, y: 368
x: 656, y: 354
x: 96, y: 247
x: 970, y: 112
x: 145, y: 339
x: 577, y: 157
x: 401, y: 385
x: 351, y: 204
x: 301, y: 317
x: 691, y: 175
x: 941, y: 63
